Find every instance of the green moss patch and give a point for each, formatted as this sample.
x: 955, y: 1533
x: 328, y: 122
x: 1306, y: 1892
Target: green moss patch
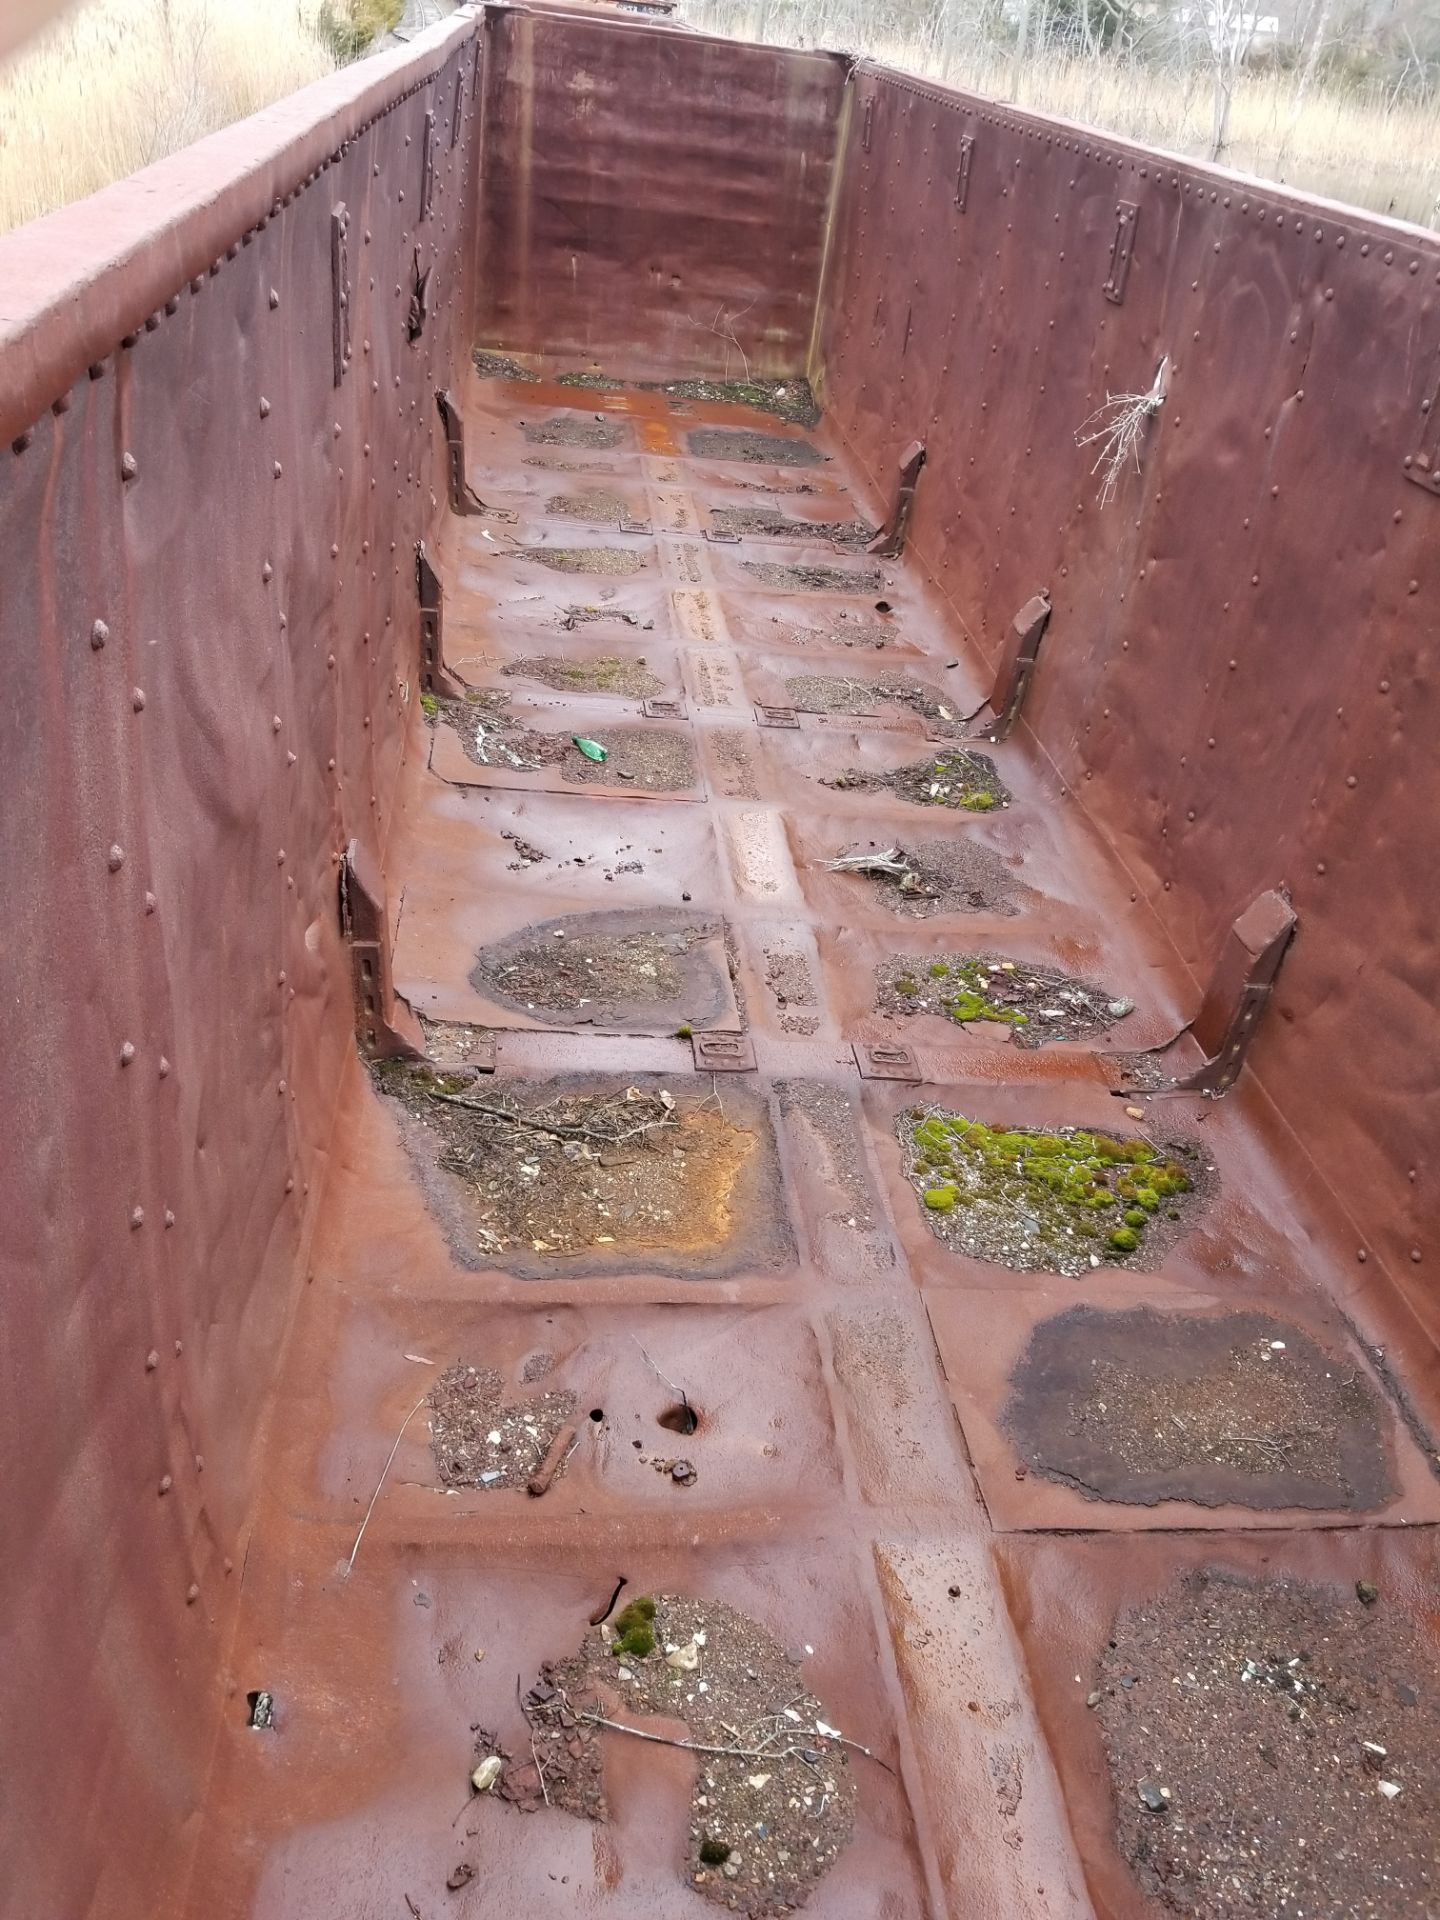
x: 1050, y: 1202
x: 1036, y: 1003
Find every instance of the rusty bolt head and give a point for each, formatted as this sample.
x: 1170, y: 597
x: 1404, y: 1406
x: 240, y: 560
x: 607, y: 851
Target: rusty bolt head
x: 277, y: 470
x: 274, y: 299
x: 127, y: 1053
x: 128, y: 466
x: 115, y: 859
x: 152, y: 1360
x: 99, y: 634
x: 267, y: 573
x: 280, y: 857
x: 275, y: 723
x: 150, y: 903
x: 289, y: 1185
x: 137, y: 1216
x: 166, y: 1482
x: 137, y: 699
x: 192, y: 1594
x: 199, y: 1463
x: 169, y: 1218
x: 264, y: 408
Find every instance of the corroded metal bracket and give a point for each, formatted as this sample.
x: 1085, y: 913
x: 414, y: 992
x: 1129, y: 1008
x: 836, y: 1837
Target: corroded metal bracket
x: 340, y: 288
x: 889, y: 542
x: 435, y: 676
x: 384, y: 1025
x: 1422, y: 463
x: 427, y: 166
x: 1224, y: 1028
x: 1127, y: 215
x: 886, y: 1062
x: 962, y: 172
x: 419, y: 310
x: 1017, y: 668
x: 463, y: 497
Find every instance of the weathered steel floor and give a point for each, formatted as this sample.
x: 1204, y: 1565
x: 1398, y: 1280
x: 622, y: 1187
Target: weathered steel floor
x: 954, y: 1602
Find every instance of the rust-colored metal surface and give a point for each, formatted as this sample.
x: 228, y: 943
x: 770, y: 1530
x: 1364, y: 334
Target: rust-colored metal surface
x: 301, y: 664
x: 209, y: 627
x: 654, y: 203
x: 1235, y: 684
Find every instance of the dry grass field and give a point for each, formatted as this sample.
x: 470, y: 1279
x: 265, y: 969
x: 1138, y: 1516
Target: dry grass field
x: 117, y: 83
x: 1364, y: 143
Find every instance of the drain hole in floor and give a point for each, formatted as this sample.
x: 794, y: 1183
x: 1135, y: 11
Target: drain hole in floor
x: 681, y: 1418
x: 597, y: 1413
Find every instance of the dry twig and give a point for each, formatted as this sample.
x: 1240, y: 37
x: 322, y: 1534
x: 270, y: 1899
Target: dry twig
x: 1117, y: 427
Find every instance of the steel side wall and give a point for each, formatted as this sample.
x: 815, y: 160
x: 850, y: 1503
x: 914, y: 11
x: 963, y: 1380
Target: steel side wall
x: 209, y: 629
x: 654, y: 201
x: 1240, y: 679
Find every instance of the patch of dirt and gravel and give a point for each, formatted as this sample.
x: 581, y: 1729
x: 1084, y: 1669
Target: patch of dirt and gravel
x: 596, y: 506
x: 480, y: 1441
x: 557, y: 1169
x: 951, y: 778
x: 574, y: 430
x: 1035, y: 1003
x: 491, y: 736
x: 734, y: 764
x: 499, y: 366
x: 1141, y: 1406
x: 816, y: 579
x: 848, y: 628
x: 786, y: 399
x: 848, y: 694
x: 615, y: 562
x: 654, y: 759
x: 792, y: 986
x: 758, y: 449
x: 1274, y: 1749
x: 828, y: 1114
x: 959, y: 875
x: 627, y: 676
x: 773, y: 1803
x: 615, y: 968
x: 756, y: 523
x: 1062, y: 1200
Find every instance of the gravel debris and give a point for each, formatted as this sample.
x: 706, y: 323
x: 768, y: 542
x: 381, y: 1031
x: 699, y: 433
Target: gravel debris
x: 770, y: 1815
x: 1036, y: 1004
x: 1142, y: 1405
x: 478, y: 1441
x: 574, y: 430
x: 951, y: 778
x: 1274, y: 1715
x: 758, y: 449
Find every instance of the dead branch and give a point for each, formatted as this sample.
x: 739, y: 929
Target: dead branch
x: 1117, y: 427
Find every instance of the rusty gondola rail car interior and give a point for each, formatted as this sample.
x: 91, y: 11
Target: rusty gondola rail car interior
x: 721, y: 1075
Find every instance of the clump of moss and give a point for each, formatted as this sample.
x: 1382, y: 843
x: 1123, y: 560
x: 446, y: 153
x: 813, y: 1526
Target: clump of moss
x: 684, y: 1031
x: 977, y: 802
x: 939, y: 970
x: 1033, y: 1198
x: 429, y: 705
x: 635, y: 1629
x: 906, y: 985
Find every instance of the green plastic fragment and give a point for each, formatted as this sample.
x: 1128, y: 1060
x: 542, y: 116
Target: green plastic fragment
x: 591, y: 749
